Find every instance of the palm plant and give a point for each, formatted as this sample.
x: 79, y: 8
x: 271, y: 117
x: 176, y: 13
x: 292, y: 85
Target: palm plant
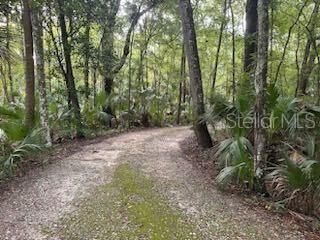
x: 15, y: 142
x: 296, y: 183
x: 236, y: 154
x: 12, y: 122
x: 233, y: 115
x: 289, y: 116
x: 10, y: 160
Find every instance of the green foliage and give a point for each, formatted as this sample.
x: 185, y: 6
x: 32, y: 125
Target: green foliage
x: 12, y: 156
x: 12, y: 122
x: 16, y: 141
x: 296, y: 184
x: 236, y: 155
x: 294, y: 181
x: 233, y: 115
x: 155, y: 74
x: 291, y: 118
x: 283, y: 109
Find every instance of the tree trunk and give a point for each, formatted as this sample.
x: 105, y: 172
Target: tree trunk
x: 41, y: 78
x: 108, y: 63
x: 309, y: 55
x: 108, y: 83
x: 306, y: 71
x: 222, y: 27
x: 29, y: 65
x: 143, y: 53
x: 94, y: 77
x: 21, y: 29
x: 112, y: 67
x: 4, y: 85
x: 49, y: 77
x: 271, y: 37
x: 303, y: 80
x: 250, y: 42
x: 8, y: 39
x: 233, y: 52
x: 190, y: 42
x: 87, y: 59
x: 69, y: 77
x: 287, y: 43
x: 182, y: 80
x: 130, y: 81
x: 260, y: 85
x: 108, y: 58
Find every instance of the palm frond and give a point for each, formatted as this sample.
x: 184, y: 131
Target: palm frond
x: 228, y: 174
x: 31, y: 143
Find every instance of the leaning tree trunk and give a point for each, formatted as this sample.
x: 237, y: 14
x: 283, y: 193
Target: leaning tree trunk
x: 306, y: 71
x: 260, y: 85
x: 309, y: 54
x: 69, y: 77
x: 190, y: 41
x: 41, y: 78
x: 285, y: 48
x: 29, y: 65
x: 222, y: 27
x: 110, y: 67
x: 250, y: 43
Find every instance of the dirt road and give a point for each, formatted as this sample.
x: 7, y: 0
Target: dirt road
x: 56, y: 202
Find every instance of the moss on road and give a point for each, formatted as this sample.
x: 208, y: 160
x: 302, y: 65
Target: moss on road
x: 128, y: 208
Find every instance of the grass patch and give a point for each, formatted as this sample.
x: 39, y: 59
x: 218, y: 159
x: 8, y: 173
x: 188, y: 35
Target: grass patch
x: 128, y: 208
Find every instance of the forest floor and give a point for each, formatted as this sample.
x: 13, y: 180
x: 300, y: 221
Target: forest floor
x: 138, y: 185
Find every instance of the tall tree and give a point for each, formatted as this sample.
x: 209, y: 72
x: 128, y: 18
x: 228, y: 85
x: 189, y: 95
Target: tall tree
x: 222, y: 27
x: 260, y: 85
x: 130, y: 80
x: 29, y: 65
x: 68, y: 72
x: 233, y: 52
x: 107, y: 44
x: 287, y: 42
x: 86, y: 70
x: 250, y: 45
x: 8, y: 46
x: 41, y: 78
x: 111, y: 66
x: 309, y: 53
x: 181, y: 84
x: 190, y: 42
